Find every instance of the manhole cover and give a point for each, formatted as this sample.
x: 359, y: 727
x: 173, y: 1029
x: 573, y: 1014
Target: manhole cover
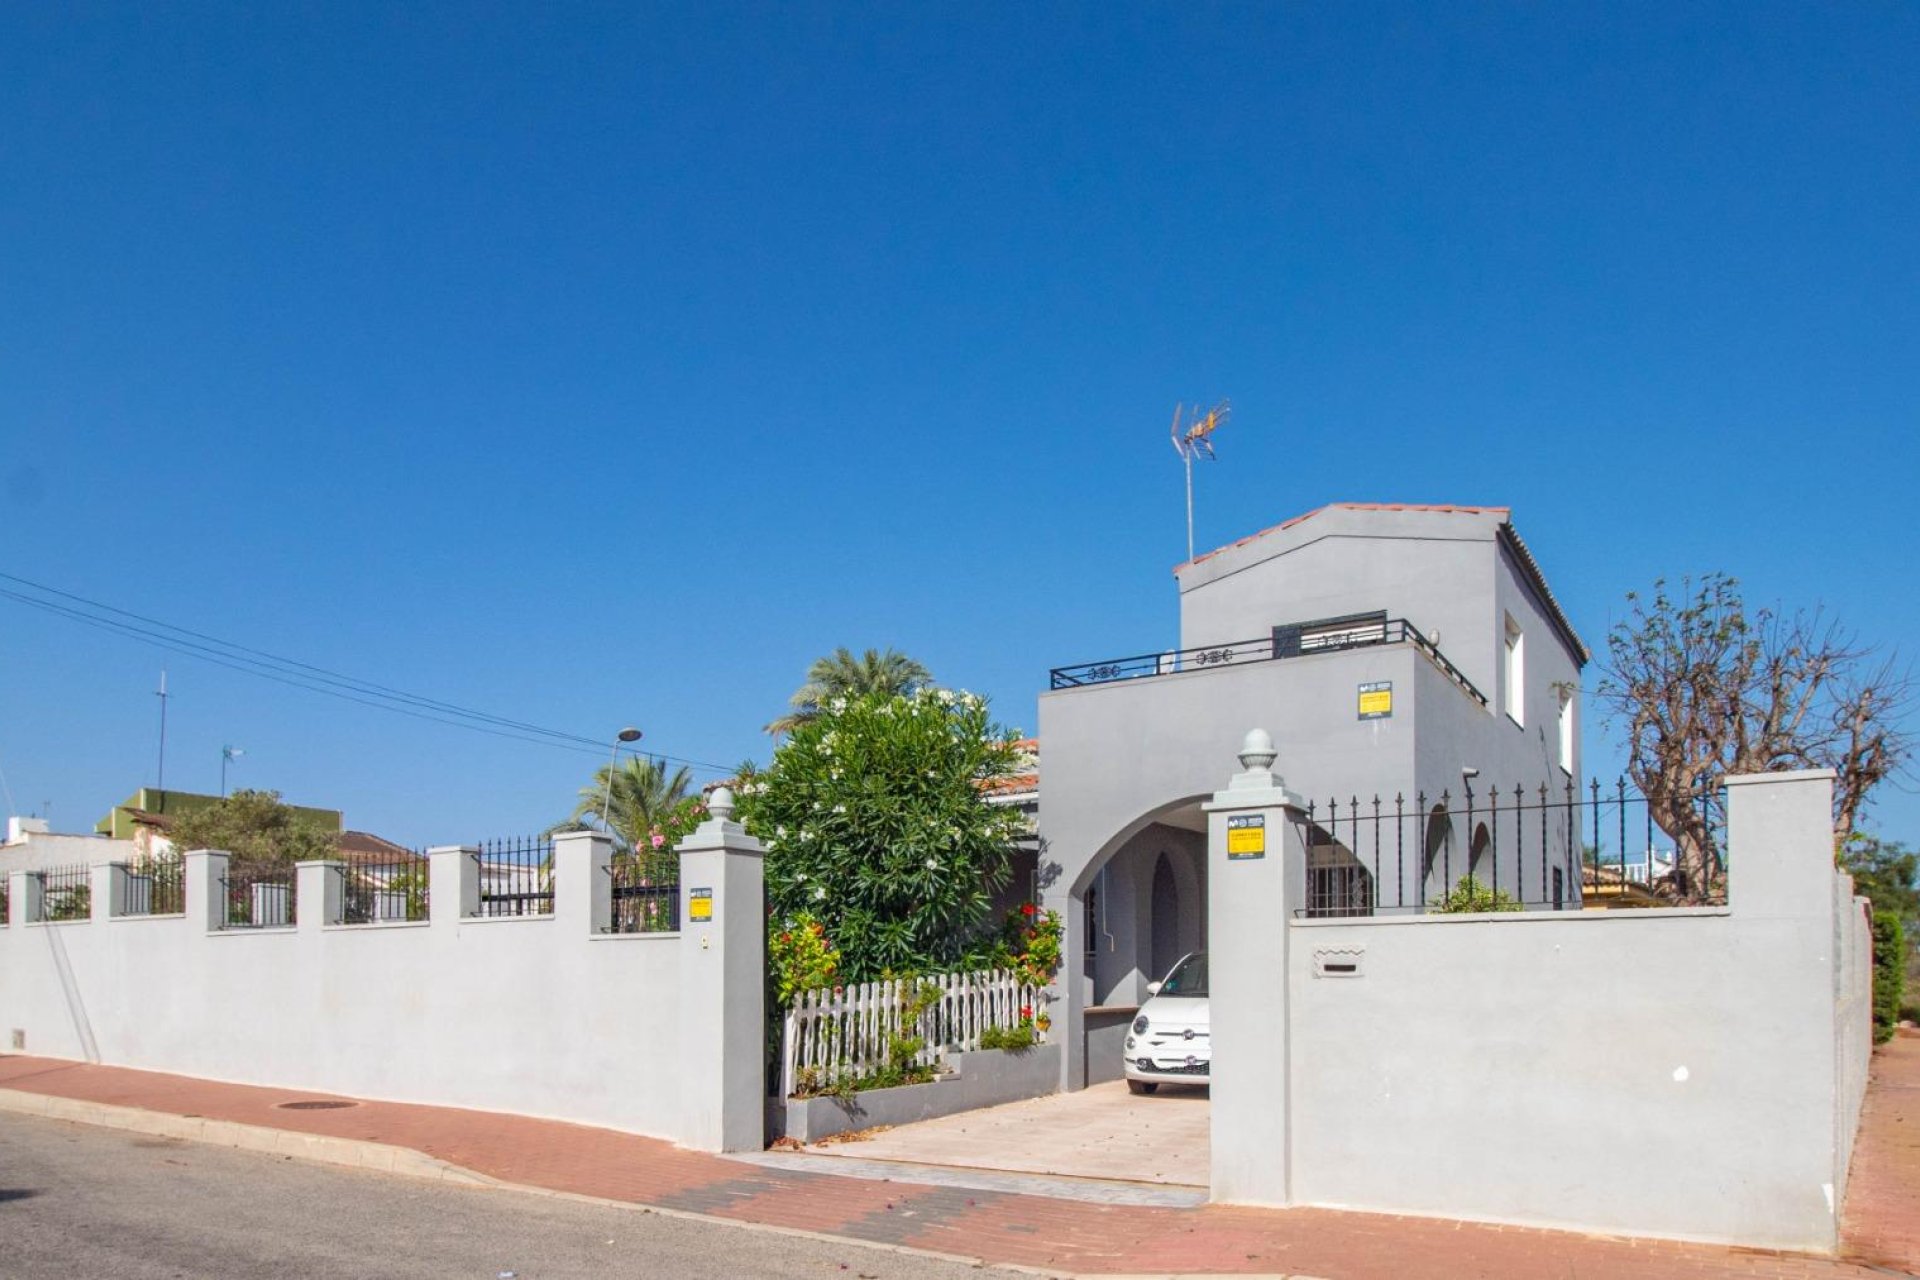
x: 315, y: 1106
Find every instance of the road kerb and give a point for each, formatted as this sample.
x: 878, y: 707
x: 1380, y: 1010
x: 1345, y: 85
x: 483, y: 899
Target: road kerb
x: 318, y: 1148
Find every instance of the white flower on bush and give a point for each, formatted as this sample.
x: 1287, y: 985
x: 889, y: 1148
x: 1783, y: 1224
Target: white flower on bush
x: 820, y: 893
x: 840, y: 808
x: 780, y: 833
x: 933, y: 864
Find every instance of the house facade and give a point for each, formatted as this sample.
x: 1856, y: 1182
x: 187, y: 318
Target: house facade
x: 1406, y: 653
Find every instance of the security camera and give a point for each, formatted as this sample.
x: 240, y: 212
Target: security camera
x: 1468, y: 771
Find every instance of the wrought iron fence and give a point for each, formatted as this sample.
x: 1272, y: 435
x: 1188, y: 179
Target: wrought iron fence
x: 384, y: 890
x: 1513, y: 848
x: 1330, y: 635
x: 156, y: 885
x: 516, y: 876
x: 259, y: 895
x: 66, y: 893
x: 646, y: 892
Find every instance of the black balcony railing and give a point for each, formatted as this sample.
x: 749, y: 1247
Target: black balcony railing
x: 1331, y: 636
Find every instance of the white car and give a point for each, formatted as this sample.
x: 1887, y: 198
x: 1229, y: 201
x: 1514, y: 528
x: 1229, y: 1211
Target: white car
x: 1169, y: 1041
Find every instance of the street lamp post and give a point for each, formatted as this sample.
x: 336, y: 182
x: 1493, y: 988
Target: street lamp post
x: 628, y: 734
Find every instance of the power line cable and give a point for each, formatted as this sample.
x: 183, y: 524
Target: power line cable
x: 322, y: 673
x: 301, y: 675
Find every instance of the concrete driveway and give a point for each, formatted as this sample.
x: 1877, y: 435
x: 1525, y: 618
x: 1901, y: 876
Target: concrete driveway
x: 1102, y: 1132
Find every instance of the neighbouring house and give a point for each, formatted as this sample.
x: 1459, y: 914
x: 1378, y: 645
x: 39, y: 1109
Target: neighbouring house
x: 143, y: 817
x: 33, y: 845
x: 1020, y: 790
x: 1413, y: 654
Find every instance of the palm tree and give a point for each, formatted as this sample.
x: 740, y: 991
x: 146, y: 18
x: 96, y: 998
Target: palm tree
x: 643, y: 795
x: 841, y: 675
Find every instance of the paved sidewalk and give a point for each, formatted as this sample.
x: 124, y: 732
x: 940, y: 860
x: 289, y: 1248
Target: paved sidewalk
x: 1051, y: 1235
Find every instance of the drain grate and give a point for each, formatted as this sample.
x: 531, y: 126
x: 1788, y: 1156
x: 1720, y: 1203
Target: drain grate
x: 315, y: 1106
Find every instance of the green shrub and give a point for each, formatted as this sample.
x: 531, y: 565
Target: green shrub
x: 1013, y: 1039
x: 1472, y: 895
x: 875, y: 822
x: 1889, y: 974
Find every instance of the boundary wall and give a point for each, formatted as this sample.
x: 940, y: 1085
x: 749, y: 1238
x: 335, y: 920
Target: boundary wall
x: 551, y: 1016
x: 1690, y: 1073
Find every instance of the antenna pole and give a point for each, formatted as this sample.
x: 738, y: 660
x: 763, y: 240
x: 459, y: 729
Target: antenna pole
x: 1189, y: 460
x: 161, y: 783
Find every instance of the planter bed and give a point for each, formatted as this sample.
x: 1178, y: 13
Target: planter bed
x: 984, y: 1078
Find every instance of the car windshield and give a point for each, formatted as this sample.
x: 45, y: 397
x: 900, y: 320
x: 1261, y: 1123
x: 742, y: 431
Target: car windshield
x: 1189, y: 977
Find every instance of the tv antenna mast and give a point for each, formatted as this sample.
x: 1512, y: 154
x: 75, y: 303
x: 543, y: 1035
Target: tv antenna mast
x: 1196, y: 438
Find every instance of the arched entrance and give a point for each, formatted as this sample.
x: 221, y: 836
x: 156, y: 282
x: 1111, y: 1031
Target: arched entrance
x: 1136, y: 908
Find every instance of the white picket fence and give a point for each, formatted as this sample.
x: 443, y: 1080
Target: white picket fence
x: 835, y: 1034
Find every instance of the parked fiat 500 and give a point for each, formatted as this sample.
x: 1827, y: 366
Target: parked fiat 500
x: 1169, y: 1040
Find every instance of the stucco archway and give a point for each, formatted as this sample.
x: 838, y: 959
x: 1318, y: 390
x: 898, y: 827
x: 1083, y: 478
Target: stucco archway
x: 1117, y: 931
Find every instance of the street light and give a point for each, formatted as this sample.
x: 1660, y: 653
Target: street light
x: 628, y: 734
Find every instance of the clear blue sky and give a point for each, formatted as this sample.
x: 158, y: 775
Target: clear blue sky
x: 590, y: 366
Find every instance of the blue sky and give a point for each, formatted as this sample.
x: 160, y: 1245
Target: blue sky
x: 604, y: 365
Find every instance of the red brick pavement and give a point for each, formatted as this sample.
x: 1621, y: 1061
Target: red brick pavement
x: 1880, y: 1222
x: 1882, y: 1218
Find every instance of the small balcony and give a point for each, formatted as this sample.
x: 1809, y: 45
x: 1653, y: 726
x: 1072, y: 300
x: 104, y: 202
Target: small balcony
x: 1330, y: 635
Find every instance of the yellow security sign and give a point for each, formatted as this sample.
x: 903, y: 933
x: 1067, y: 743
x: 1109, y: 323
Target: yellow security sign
x: 1246, y: 836
x: 1376, y: 700
x: 699, y: 904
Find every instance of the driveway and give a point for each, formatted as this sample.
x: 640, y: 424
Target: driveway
x: 1102, y: 1132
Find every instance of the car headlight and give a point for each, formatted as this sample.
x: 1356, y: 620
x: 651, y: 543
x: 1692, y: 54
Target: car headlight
x: 1140, y: 1025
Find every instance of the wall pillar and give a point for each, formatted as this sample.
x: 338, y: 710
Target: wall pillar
x: 1256, y: 872
x: 453, y: 883
x: 1780, y: 873
x: 107, y: 889
x: 1780, y: 834
x: 319, y: 894
x: 582, y: 883
x: 20, y: 886
x: 206, y: 889
x: 723, y: 942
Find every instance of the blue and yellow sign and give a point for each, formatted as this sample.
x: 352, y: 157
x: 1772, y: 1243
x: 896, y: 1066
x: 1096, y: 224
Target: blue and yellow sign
x: 1246, y: 836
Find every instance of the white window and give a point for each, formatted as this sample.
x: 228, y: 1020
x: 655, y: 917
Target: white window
x: 1514, y: 695
x: 1566, y: 729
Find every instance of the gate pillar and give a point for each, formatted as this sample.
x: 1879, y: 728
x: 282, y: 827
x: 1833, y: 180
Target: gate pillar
x: 1256, y: 876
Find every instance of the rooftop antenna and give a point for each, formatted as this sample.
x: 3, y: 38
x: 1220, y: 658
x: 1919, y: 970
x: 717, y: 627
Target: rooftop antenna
x: 1196, y: 438
x: 161, y: 784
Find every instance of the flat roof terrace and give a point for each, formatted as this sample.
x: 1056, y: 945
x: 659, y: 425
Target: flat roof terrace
x: 1327, y: 635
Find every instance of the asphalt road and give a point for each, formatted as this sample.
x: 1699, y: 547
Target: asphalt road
x: 78, y: 1201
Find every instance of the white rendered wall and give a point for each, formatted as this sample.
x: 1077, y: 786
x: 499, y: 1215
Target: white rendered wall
x: 1685, y: 1073
x: 539, y: 1016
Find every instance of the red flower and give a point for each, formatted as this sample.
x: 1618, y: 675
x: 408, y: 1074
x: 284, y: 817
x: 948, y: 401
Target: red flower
x: 1026, y: 1011
x: 1028, y: 909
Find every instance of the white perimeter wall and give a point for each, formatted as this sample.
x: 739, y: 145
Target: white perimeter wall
x: 540, y: 1016
x: 1648, y: 1073
x: 1685, y: 1073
